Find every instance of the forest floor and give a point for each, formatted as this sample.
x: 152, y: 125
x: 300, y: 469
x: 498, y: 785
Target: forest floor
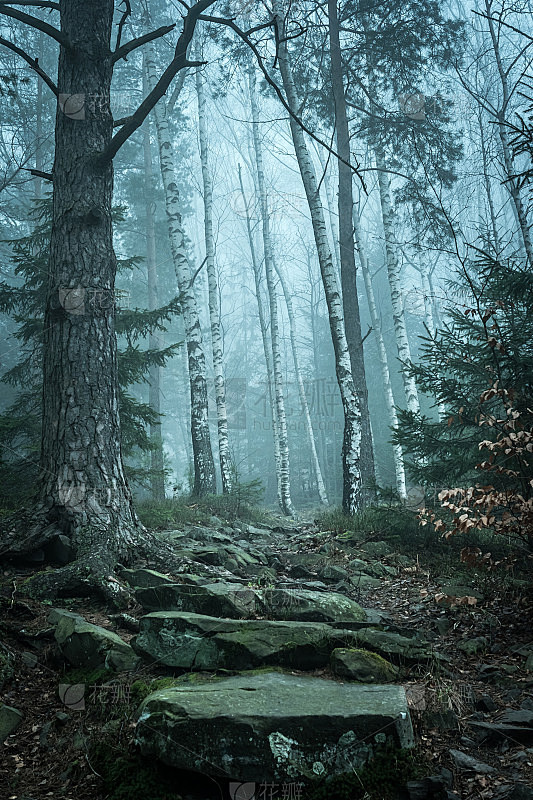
x: 475, y: 703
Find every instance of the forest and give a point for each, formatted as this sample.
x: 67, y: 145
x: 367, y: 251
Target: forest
x: 266, y: 399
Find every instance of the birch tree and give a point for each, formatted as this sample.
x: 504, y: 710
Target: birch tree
x: 204, y: 468
x: 213, y: 287
x: 283, y: 474
x: 351, y: 448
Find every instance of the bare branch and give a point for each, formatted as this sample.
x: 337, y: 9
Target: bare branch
x: 33, y: 62
x: 245, y: 38
x: 47, y: 176
x: 34, y: 22
x: 127, y: 48
x: 42, y: 4
x: 123, y: 19
x: 179, y: 62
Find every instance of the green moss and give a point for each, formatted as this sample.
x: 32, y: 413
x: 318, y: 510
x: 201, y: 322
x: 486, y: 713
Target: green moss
x: 380, y: 779
x: 88, y: 676
x: 130, y: 777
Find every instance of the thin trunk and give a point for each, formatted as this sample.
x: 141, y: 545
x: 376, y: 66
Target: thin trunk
x: 393, y: 269
x: 39, y: 126
x: 214, y: 305
x: 204, y: 468
x: 352, y: 321
x: 511, y: 182
x: 267, y: 348
x: 399, y: 468
x: 488, y: 188
x: 301, y: 388
x: 157, y: 478
x: 334, y: 228
x: 284, y: 472
x: 351, y: 448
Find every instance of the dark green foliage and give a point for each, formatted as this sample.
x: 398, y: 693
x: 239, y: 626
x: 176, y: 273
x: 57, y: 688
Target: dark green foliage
x: 129, y: 777
x: 488, y: 338
x: 240, y: 503
x: 20, y: 424
x: 376, y: 522
x: 381, y: 778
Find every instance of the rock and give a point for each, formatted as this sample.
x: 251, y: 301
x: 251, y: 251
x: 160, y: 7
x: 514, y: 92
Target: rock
x: 376, y: 549
x: 28, y: 658
x: 299, y: 571
x: 364, y: 582
x: 87, y: 645
x: 456, y: 589
x: 212, y: 599
x: 432, y: 788
x: 473, y: 646
x: 59, y: 550
x: 393, y: 646
x: 143, y: 578
x: 331, y: 573
x: 198, y: 642
x: 362, y: 666
x: 55, y: 615
x: 521, y: 716
x: 470, y: 764
x: 271, y: 727
x: 486, y: 703
x: 302, y: 604
x: 10, y: 719
x: 442, y: 720
x: 491, y: 732
x: 443, y: 625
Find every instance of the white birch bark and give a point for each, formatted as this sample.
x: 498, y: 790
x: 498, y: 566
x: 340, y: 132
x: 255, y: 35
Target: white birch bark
x: 267, y: 348
x: 352, y: 413
x: 212, y: 280
x: 157, y: 480
x: 204, y: 469
x: 301, y: 388
x: 277, y: 371
x: 399, y: 467
x: 393, y: 270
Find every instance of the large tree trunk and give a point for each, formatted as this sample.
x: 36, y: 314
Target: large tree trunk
x: 351, y: 500
x: 214, y: 305
x: 204, y: 468
x: 157, y: 478
x: 350, y: 301
x: 267, y: 347
x: 284, y: 473
x: 399, y: 467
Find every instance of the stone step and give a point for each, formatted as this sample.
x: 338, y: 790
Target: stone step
x: 272, y: 727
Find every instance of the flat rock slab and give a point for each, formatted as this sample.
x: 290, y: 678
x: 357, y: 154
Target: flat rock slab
x: 304, y: 604
x: 272, y: 727
x: 198, y: 642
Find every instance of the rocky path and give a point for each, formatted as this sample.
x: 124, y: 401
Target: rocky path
x: 289, y: 657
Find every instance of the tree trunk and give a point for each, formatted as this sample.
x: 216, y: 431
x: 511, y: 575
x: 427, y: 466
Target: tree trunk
x: 204, y: 468
x: 301, y: 388
x: 267, y: 347
x: 284, y: 472
x: 157, y: 478
x: 214, y: 305
x: 350, y: 301
x: 351, y: 499
x: 399, y: 468
x: 393, y: 269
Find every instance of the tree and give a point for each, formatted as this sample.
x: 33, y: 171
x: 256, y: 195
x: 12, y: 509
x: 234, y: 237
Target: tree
x: 82, y: 490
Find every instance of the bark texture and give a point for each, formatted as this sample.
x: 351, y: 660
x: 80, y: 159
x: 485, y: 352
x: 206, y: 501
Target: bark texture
x: 351, y: 448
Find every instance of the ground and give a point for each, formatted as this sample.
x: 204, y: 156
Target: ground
x: 57, y: 750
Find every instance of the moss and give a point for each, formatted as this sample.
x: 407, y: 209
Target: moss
x: 130, y: 777
x: 88, y: 676
x: 380, y: 779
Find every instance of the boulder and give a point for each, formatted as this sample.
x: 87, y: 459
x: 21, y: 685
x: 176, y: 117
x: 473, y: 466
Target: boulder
x: 362, y: 666
x: 10, y: 719
x: 197, y: 642
x: 272, y: 727
x: 393, y: 646
x: 87, y: 645
x: 302, y: 604
x: 212, y: 599
x: 142, y: 578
